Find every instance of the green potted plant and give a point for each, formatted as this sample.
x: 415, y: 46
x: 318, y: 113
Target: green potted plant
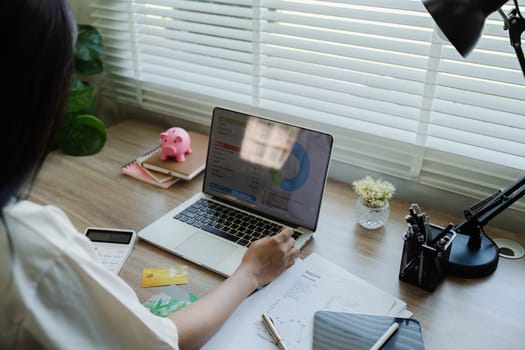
x: 372, y: 207
x: 81, y: 133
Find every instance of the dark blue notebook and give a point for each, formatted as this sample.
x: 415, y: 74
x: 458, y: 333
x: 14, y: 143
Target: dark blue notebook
x: 341, y: 330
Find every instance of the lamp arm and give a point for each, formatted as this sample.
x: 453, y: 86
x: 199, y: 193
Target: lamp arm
x: 515, y: 23
x: 481, y: 213
x: 521, y: 59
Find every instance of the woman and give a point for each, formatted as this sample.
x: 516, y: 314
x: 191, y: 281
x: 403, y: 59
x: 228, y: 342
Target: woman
x: 54, y: 293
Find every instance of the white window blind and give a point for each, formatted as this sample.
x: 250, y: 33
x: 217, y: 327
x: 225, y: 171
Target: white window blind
x: 398, y: 99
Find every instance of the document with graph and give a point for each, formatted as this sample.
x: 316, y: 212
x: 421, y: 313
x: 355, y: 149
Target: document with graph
x: 292, y: 299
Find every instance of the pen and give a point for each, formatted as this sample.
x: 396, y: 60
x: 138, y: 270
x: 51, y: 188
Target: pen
x: 270, y: 326
x: 384, y: 338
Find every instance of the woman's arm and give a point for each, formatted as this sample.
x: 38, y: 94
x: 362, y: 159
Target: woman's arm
x: 262, y: 262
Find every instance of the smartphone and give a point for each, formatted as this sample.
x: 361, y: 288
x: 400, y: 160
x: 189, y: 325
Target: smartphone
x: 112, y: 245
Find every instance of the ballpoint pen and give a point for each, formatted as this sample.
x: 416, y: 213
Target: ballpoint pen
x: 384, y: 338
x: 270, y: 326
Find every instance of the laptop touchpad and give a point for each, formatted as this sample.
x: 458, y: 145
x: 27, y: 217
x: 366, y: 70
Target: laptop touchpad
x: 205, y: 249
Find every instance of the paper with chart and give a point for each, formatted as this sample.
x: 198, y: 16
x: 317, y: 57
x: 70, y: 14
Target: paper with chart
x: 291, y: 301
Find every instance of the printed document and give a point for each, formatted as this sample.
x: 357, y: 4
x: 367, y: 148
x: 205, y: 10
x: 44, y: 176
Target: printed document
x: 291, y: 300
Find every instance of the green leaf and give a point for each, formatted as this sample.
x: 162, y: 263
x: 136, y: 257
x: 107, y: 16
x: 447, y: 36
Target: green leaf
x: 88, y: 49
x: 83, y: 135
x: 81, y: 98
x: 92, y: 67
x: 61, y: 132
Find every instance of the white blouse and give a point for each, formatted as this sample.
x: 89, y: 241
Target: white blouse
x: 55, y: 295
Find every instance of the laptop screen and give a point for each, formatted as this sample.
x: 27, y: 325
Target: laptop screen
x: 276, y: 169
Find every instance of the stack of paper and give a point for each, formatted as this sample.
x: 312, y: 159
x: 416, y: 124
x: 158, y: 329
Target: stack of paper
x: 291, y: 300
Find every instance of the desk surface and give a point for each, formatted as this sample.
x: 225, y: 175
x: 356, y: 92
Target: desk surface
x: 485, y: 313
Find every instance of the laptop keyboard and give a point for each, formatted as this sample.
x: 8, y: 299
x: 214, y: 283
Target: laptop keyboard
x: 231, y: 224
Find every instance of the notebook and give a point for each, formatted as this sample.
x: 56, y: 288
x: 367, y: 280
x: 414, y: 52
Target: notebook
x: 271, y: 172
x: 187, y: 170
x: 134, y: 169
x: 341, y: 331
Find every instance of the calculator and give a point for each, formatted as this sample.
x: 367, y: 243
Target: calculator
x: 112, y: 245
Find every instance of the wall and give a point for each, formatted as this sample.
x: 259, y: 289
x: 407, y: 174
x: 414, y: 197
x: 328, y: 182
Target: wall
x: 80, y: 10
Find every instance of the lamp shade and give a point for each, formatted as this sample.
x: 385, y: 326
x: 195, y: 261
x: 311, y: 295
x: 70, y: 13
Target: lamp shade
x: 462, y: 20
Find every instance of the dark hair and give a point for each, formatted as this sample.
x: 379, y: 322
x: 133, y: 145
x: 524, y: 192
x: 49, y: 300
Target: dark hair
x: 37, y: 37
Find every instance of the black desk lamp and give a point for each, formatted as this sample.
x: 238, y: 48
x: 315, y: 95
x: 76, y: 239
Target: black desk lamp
x: 462, y: 22
x: 473, y: 253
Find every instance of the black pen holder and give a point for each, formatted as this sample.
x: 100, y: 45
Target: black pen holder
x: 423, y: 264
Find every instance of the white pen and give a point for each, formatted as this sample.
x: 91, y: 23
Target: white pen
x: 270, y: 326
x: 384, y: 338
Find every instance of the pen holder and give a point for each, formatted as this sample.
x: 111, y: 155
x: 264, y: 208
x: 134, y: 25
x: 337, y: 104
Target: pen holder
x: 423, y: 264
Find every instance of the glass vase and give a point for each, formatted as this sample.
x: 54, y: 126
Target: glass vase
x: 371, y: 218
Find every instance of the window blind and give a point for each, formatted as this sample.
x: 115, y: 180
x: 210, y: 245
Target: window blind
x: 376, y: 74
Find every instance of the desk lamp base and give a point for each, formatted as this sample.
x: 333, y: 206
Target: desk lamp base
x: 472, y: 263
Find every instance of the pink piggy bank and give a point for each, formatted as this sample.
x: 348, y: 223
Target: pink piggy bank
x: 175, y: 142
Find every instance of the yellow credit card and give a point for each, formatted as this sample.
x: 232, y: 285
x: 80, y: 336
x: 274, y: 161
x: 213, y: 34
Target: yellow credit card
x: 164, y: 276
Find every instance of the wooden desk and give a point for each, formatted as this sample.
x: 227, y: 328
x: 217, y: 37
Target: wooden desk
x: 486, y: 313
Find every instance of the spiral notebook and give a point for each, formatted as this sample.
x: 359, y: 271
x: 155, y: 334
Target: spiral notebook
x: 342, y: 330
x: 134, y: 169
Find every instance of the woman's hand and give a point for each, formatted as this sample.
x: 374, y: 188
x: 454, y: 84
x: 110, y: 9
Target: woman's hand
x: 262, y: 262
x: 270, y: 256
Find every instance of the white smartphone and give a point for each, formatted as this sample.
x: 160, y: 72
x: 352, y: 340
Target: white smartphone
x: 112, y: 245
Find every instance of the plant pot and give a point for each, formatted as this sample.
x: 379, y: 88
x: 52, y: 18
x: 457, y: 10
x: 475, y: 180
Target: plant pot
x: 371, y: 218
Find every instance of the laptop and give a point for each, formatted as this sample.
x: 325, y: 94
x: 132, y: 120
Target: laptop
x: 260, y: 175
